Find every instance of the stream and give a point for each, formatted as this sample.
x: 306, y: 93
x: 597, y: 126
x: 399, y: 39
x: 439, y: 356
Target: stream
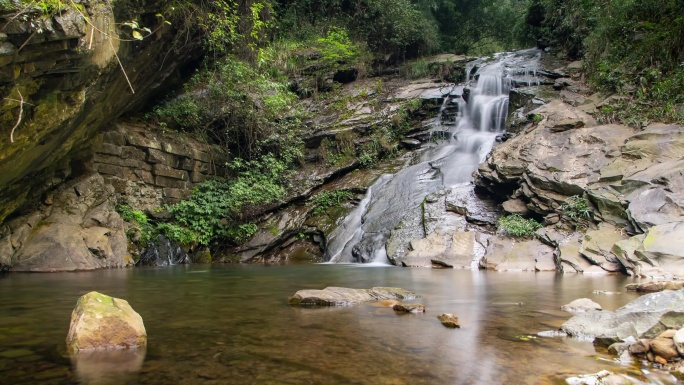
x: 232, y: 325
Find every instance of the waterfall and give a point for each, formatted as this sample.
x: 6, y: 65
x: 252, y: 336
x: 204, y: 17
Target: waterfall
x: 470, y: 118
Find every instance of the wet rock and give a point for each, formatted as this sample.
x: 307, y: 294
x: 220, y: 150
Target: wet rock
x: 102, y: 322
x: 643, y: 317
x: 581, y: 305
x: 411, y: 144
x: 640, y: 347
x: 449, y: 320
x: 342, y: 296
x: 475, y: 207
x: 409, y: 308
x: 655, y: 286
x: 163, y: 252
x: 601, y: 378
x: 664, y: 346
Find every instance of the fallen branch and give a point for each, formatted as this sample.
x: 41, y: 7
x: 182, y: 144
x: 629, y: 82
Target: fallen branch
x: 21, y: 113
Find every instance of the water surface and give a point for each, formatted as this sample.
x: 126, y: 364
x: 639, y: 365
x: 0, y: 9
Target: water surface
x: 232, y: 325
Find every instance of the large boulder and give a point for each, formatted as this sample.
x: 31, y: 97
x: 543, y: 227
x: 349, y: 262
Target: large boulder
x: 505, y: 254
x: 638, y: 318
x: 343, y: 296
x: 101, y: 322
x: 78, y: 230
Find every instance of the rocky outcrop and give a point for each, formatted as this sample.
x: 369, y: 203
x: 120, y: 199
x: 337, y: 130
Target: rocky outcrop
x: 101, y: 322
x: 65, y: 68
x: 629, y: 181
x: 342, y: 296
x: 645, y: 317
x: 77, y: 228
x: 148, y: 168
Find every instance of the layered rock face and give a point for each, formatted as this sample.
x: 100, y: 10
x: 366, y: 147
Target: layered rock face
x: 77, y: 226
x: 63, y: 77
x: 631, y: 179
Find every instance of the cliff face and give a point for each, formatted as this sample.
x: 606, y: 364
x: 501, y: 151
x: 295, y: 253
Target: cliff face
x: 61, y: 82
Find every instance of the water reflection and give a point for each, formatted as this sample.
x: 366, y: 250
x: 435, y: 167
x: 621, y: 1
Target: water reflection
x: 108, y: 367
x: 232, y: 325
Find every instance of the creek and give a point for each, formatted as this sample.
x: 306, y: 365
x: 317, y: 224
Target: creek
x: 232, y: 325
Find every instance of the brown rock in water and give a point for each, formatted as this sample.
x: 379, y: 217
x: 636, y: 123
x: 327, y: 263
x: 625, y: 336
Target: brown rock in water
x: 449, y: 320
x: 655, y: 286
x: 101, y: 322
x: 640, y: 347
x: 664, y: 346
x: 660, y: 360
x: 409, y: 308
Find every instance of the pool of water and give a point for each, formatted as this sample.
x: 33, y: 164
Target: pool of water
x: 232, y: 325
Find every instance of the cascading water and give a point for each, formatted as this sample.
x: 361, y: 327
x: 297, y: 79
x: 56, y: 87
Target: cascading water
x: 470, y: 119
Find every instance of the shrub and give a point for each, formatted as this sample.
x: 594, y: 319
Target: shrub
x: 576, y: 207
x: 327, y: 199
x: 139, y: 219
x: 517, y: 226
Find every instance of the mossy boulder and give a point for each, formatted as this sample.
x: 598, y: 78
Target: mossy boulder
x: 101, y: 322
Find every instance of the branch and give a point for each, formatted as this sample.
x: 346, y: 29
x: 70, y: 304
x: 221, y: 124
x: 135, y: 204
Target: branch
x: 21, y: 113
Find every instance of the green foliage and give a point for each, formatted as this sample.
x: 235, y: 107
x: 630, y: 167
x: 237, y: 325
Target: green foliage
x: 139, y: 219
x: 225, y: 25
x: 576, y: 207
x: 337, y: 47
x: 635, y: 48
x: 218, y: 208
x: 237, y: 106
x: 517, y: 226
x: 327, y: 199
x: 178, y: 234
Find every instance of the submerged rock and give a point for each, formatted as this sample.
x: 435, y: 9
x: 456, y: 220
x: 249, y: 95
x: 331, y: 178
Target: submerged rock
x: 101, y: 322
x: 449, y: 320
x: 343, y: 296
x: 409, y: 308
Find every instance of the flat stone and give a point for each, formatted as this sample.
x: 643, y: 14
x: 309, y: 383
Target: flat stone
x: 170, y: 172
x: 135, y: 139
x: 342, y: 296
x: 109, y: 149
x: 161, y: 157
x: 515, y: 206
